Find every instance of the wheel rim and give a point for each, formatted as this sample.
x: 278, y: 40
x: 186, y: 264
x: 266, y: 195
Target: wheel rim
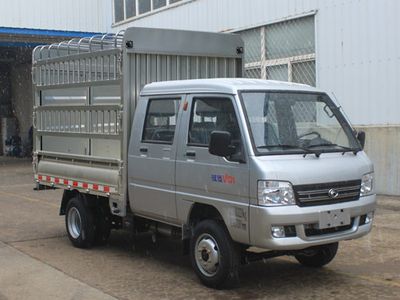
x: 74, y: 223
x: 207, y: 255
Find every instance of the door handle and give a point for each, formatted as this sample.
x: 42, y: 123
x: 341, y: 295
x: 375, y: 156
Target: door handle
x: 143, y: 149
x: 190, y: 153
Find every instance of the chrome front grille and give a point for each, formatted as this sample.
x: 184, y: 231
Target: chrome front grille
x: 327, y: 193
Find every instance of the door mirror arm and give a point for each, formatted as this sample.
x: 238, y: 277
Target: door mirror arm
x: 361, y: 138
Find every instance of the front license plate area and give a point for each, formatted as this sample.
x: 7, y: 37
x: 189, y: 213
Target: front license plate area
x: 334, y: 218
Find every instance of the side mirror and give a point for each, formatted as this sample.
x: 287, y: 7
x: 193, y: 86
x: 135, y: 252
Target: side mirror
x: 361, y: 138
x: 220, y: 144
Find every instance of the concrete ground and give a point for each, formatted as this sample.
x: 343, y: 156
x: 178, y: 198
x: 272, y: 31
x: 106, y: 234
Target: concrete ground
x: 37, y: 260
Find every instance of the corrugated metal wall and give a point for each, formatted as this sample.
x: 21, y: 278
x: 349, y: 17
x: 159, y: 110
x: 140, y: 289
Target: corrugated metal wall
x: 357, y: 50
x: 357, y: 58
x: 69, y: 15
x: 357, y: 44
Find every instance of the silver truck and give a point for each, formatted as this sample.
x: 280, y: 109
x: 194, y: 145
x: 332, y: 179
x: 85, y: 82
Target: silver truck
x: 239, y: 169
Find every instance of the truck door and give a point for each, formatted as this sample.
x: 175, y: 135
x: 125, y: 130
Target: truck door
x: 152, y: 154
x: 209, y: 179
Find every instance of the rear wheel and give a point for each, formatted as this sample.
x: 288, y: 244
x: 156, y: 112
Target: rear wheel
x: 318, y: 256
x: 79, y: 221
x: 214, y: 256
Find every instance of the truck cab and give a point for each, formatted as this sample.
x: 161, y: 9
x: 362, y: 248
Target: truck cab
x: 240, y: 163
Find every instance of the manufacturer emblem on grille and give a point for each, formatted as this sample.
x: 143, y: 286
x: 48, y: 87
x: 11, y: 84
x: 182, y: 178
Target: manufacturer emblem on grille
x: 333, y: 193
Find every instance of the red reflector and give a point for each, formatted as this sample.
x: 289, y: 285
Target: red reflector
x: 106, y: 189
x: 48, y: 178
x: 57, y: 180
x: 75, y: 183
x: 185, y: 106
x: 85, y: 185
x: 66, y: 181
x: 95, y: 187
x: 40, y: 177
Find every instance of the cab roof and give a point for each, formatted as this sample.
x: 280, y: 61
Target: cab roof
x: 221, y: 85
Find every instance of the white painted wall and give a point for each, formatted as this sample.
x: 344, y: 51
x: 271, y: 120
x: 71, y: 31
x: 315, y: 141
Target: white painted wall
x: 69, y: 15
x: 358, y: 44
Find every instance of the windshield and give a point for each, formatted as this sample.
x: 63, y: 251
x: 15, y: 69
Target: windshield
x: 296, y: 123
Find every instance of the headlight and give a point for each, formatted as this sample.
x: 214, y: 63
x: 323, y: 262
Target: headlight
x: 272, y: 193
x: 367, y: 185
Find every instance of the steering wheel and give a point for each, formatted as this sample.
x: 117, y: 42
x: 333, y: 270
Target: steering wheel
x: 318, y: 135
x: 163, y: 135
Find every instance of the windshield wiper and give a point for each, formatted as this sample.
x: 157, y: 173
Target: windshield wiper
x: 288, y: 146
x: 344, y: 148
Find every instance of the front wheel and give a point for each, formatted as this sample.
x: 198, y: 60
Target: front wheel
x: 214, y: 256
x: 318, y: 256
x: 79, y: 221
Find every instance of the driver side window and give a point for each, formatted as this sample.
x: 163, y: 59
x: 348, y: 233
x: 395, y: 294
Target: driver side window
x: 213, y: 114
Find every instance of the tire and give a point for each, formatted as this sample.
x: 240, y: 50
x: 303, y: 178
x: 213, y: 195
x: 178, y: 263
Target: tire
x: 214, y: 256
x: 79, y: 221
x: 318, y: 256
x: 103, y: 225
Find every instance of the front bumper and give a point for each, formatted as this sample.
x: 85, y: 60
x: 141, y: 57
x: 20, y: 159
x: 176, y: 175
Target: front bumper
x: 262, y: 218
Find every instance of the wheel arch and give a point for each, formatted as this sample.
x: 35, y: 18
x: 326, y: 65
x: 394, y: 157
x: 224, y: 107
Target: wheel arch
x: 200, y: 211
x: 69, y: 194
x: 233, y: 217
